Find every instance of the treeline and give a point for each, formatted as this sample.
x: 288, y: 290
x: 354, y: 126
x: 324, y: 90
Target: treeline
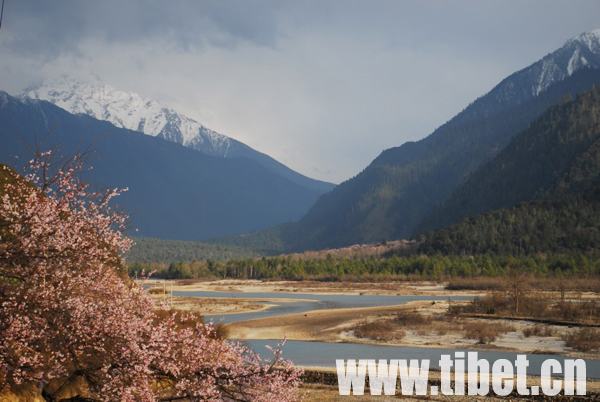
x: 374, y: 268
x: 147, y: 250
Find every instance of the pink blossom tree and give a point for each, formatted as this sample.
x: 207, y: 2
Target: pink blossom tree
x: 70, y: 316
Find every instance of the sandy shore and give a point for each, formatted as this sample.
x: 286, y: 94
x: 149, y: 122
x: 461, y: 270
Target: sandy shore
x: 213, y: 306
x: 313, y: 287
x: 336, y: 325
x: 221, y: 305
x: 317, y: 325
x: 160, y: 291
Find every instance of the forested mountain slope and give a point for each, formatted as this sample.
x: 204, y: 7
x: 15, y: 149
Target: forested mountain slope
x: 543, y: 190
x: 399, y: 189
x: 392, y: 196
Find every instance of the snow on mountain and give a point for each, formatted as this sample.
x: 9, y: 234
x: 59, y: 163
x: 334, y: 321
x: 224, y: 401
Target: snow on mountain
x: 582, y: 51
x: 577, y: 53
x: 132, y: 111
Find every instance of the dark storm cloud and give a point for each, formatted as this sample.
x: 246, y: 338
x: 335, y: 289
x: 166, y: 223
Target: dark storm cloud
x: 54, y: 27
x: 58, y: 26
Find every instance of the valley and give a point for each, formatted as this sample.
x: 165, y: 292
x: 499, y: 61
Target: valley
x: 323, y: 321
x: 404, y: 315
x: 147, y: 257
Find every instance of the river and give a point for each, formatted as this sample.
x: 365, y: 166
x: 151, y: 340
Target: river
x: 324, y: 354
x: 306, y: 302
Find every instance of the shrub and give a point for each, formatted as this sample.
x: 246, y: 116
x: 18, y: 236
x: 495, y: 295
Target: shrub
x: 484, y: 332
x: 583, y: 339
x: 477, y: 283
x: 538, y: 330
x: 583, y: 311
x: 157, y: 291
x: 381, y: 330
x: 409, y: 318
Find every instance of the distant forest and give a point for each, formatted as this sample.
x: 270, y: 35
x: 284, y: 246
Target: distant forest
x: 147, y: 250
x: 374, y: 268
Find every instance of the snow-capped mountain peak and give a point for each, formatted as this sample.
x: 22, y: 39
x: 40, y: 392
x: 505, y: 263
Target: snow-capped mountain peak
x: 581, y: 51
x: 590, y: 39
x: 578, y: 53
x: 132, y: 111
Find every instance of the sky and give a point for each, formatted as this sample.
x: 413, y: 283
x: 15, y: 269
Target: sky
x: 321, y: 85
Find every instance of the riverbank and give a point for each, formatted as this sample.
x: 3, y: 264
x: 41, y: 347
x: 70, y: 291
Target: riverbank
x: 422, y: 323
x: 434, y: 330
x: 208, y: 306
x: 318, y: 325
x: 314, y: 287
x: 161, y: 292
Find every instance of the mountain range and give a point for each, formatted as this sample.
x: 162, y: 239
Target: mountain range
x: 523, y: 149
x: 132, y: 111
x: 398, y: 194
x: 175, y: 192
x: 540, y: 194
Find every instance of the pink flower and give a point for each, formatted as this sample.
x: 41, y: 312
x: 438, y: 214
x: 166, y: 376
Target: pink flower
x: 68, y: 312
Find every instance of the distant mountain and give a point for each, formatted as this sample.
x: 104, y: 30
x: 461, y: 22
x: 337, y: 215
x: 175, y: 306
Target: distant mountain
x: 174, y: 192
x: 540, y: 194
x: 391, y: 197
x: 529, y: 167
x: 132, y: 111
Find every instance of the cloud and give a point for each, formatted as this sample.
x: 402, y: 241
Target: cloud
x: 58, y: 27
x: 323, y: 86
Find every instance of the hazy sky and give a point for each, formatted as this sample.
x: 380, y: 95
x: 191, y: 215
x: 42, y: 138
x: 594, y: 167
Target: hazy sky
x: 323, y: 86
